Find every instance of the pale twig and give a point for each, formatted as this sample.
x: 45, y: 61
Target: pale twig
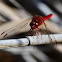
x: 31, y: 40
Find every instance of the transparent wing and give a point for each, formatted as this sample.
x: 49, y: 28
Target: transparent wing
x: 24, y: 25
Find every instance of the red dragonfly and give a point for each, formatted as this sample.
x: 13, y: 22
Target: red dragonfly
x: 36, y: 21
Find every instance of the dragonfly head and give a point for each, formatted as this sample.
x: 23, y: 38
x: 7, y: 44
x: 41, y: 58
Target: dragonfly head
x: 34, y: 25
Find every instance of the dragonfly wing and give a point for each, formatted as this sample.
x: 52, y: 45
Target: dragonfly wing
x: 19, y: 28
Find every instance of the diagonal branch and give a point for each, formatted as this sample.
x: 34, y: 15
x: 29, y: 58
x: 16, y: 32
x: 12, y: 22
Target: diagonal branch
x: 33, y: 40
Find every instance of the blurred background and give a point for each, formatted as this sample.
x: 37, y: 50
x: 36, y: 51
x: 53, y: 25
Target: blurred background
x: 13, y: 12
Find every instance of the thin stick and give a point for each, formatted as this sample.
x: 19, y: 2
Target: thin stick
x: 30, y: 39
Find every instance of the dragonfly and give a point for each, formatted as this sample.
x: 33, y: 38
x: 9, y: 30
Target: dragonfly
x: 35, y: 22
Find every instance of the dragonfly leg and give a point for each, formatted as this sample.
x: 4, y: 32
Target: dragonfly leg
x: 37, y: 33
x: 30, y: 33
x: 41, y: 32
